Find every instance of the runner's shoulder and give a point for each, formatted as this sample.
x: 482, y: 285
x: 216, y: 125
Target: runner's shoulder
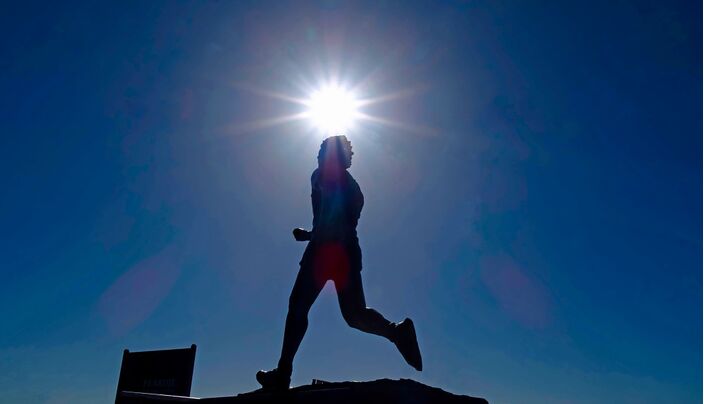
x: 314, y: 176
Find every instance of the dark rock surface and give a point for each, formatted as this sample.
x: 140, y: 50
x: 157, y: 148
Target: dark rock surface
x: 385, y: 391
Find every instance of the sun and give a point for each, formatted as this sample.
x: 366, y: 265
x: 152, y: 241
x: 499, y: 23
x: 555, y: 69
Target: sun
x: 332, y: 109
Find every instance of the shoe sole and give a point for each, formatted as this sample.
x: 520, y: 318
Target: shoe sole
x: 267, y: 386
x: 414, y: 347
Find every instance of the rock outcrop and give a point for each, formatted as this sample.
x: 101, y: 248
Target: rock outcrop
x: 385, y: 391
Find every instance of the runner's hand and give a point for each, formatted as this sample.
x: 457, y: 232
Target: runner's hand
x: 301, y: 234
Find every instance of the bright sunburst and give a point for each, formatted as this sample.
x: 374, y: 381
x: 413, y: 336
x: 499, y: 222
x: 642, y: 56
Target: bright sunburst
x: 332, y: 109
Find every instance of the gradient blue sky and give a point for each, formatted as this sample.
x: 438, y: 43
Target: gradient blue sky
x: 534, y: 201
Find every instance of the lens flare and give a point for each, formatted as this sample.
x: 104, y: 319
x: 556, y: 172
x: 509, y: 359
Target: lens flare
x: 332, y: 109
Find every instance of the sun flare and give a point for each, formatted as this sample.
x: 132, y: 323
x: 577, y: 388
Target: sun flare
x: 332, y: 109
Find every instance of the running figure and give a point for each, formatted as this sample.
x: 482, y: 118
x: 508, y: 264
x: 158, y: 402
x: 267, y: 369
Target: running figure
x: 333, y: 253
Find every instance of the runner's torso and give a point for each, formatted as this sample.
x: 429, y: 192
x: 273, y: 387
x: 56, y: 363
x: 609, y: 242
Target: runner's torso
x: 337, y: 204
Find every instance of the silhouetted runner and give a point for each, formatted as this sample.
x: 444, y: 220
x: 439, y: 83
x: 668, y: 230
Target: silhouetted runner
x: 333, y: 253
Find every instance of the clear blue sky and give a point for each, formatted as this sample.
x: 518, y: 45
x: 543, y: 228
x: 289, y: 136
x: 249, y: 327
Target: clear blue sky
x: 536, y: 208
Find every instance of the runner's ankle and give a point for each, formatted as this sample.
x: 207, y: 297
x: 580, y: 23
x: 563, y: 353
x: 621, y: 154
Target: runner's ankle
x: 285, y: 369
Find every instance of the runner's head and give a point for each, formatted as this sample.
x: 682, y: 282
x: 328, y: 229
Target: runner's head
x: 335, y: 153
